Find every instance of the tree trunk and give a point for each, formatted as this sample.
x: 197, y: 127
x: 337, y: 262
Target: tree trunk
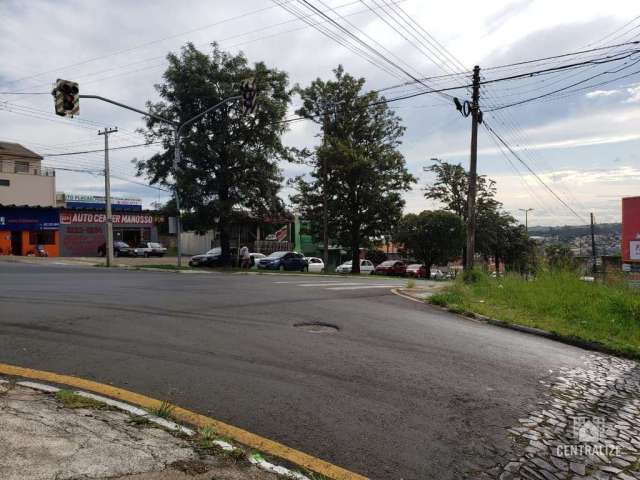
x: 355, y: 249
x: 427, y: 272
x: 225, y: 247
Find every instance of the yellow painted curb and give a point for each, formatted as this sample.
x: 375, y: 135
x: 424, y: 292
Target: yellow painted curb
x: 242, y: 436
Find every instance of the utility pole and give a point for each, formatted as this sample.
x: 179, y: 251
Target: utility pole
x: 476, y: 117
x: 107, y: 195
x: 593, y: 243
x: 526, y: 217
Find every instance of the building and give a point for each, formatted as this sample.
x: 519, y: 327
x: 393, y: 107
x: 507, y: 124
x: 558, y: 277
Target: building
x: 23, y: 179
x: 28, y: 217
x: 83, y: 227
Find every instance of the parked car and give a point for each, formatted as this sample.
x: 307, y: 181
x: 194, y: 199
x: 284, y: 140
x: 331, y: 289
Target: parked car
x: 416, y: 270
x: 437, y: 274
x: 283, y: 261
x: 150, y: 249
x: 120, y: 249
x: 391, y: 267
x: 314, y: 264
x: 365, y: 267
x: 208, y: 259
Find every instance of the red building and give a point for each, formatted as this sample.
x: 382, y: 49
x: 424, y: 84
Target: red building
x: 631, y: 230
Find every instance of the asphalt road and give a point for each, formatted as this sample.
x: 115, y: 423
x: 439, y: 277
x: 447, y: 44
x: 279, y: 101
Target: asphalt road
x: 402, y: 390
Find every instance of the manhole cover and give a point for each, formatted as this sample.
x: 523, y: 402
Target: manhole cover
x: 317, y: 327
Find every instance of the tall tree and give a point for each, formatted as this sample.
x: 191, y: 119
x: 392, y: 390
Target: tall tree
x: 451, y: 187
x: 366, y: 174
x: 432, y: 237
x: 229, y: 161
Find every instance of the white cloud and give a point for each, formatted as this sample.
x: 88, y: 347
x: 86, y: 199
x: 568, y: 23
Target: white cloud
x: 634, y: 94
x: 601, y: 93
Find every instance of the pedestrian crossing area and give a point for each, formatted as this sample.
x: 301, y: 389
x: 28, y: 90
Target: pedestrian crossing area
x: 339, y: 285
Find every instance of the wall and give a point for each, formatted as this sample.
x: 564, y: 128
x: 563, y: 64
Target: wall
x: 5, y: 242
x: 26, y: 189
x: 194, y: 244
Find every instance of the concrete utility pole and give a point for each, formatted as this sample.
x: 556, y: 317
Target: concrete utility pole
x: 107, y: 195
x: 473, y: 176
x: 593, y: 243
x: 526, y: 217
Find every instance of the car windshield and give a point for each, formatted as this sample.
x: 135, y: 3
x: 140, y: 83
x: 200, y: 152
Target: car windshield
x: 277, y: 254
x: 155, y: 245
x: 214, y: 251
x: 346, y: 264
x: 414, y: 266
x: 388, y: 263
x: 120, y: 244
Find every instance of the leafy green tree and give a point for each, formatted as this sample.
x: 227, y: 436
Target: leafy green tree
x: 366, y: 174
x: 432, y: 237
x: 559, y: 257
x: 229, y: 161
x: 451, y: 187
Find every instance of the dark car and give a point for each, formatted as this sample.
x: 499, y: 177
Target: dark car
x: 391, y: 267
x: 283, y: 261
x: 120, y: 249
x: 208, y: 259
x: 417, y: 270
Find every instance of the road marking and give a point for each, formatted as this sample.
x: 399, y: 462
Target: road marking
x: 327, y: 284
x: 241, y: 436
x: 364, y: 286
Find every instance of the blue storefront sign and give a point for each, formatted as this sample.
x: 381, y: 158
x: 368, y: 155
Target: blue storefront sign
x: 23, y: 219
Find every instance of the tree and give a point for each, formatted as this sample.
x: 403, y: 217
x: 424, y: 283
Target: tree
x: 229, y: 161
x: 366, y: 173
x: 559, y: 257
x: 451, y: 187
x: 432, y: 237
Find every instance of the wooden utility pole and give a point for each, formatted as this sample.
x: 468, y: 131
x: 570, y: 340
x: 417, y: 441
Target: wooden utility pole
x: 473, y: 176
x: 108, y: 250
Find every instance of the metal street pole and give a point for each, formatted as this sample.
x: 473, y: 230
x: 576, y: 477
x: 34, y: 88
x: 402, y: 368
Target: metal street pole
x: 593, y: 243
x: 473, y: 163
x: 526, y: 217
x: 107, y: 195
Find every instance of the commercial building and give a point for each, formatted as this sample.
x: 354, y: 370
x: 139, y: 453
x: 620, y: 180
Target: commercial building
x: 28, y: 217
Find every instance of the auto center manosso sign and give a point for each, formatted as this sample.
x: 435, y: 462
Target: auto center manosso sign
x: 70, y: 218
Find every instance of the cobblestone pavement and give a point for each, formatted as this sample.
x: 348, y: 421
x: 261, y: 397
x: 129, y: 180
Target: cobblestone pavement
x: 586, y: 427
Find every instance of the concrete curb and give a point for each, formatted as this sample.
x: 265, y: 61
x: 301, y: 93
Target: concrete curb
x: 573, y: 341
x: 255, y: 459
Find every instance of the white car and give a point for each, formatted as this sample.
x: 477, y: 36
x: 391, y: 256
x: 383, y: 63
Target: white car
x: 255, y: 258
x: 314, y: 264
x: 365, y: 267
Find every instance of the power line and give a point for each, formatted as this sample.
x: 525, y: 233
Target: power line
x: 488, y: 127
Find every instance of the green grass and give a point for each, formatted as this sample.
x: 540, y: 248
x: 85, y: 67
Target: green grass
x: 72, y: 400
x: 164, y: 266
x: 557, y: 302
x: 165, y: 410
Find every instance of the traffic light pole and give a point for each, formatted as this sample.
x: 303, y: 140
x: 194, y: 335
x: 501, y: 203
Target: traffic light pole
x: 107, y: 195
x: 473, y: 176
x: 178, y: 128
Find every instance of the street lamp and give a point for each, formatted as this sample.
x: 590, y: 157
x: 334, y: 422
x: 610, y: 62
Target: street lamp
x: 526, y: 217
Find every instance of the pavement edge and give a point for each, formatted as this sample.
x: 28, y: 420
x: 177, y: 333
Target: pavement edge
x: 244, y: 437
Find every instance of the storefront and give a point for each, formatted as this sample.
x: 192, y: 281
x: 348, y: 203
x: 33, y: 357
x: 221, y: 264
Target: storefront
x: 83, y: 232
x: 24, y: 229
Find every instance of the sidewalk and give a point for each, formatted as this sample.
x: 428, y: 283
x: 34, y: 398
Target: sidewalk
x: 67, y: 436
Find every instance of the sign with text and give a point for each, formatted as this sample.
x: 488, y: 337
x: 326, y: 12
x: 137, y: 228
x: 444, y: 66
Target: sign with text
x: 631, y: 229
x: 72, y: 218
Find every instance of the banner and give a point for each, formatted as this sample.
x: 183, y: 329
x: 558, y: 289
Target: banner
x: 72, y: 218
x: 631, y: 229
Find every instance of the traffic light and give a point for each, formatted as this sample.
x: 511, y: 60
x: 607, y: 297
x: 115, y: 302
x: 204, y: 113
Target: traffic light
x: 249, y: 95
x: 67, y: 101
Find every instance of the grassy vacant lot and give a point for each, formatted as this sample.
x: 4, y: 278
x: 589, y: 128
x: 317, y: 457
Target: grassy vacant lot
x: 556, y: 302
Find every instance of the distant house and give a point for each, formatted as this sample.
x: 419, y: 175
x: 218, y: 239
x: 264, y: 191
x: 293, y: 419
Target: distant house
x: 23, y: 179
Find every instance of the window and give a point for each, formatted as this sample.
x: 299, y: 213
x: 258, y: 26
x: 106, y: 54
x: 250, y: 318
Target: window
x: 21, y: 167
x: 4, y: 182
x: 46, y: 237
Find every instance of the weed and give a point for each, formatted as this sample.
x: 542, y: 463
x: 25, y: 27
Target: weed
x: 72, y: 400
x: 165, y: 410
x: 411, y: 283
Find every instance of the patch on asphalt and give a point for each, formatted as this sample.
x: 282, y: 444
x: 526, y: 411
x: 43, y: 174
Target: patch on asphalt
x: 587, y: 427
x: 317, y: 327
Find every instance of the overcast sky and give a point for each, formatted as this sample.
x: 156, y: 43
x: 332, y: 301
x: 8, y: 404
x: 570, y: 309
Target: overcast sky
x: 584, y: 146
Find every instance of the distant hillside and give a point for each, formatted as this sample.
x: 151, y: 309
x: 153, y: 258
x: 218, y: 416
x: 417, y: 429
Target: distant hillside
x: 568, y: 233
